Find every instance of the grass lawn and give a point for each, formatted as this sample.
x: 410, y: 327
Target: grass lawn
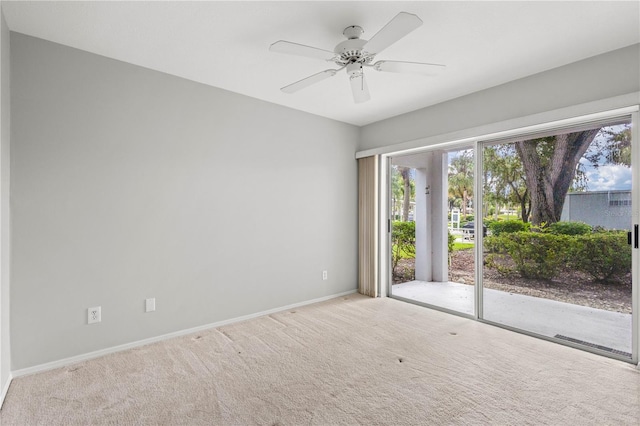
x: 456, y: 247
x: 462, y: 246
x: 403, y: 254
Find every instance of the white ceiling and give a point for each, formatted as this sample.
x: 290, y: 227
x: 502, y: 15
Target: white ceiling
x: 225, y: 44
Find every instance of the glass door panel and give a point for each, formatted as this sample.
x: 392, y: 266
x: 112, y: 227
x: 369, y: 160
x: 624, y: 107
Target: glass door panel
x: 432, y: 238
x: 556, y: 260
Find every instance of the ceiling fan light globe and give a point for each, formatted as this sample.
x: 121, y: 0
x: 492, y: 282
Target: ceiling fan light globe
x: 354, y: 69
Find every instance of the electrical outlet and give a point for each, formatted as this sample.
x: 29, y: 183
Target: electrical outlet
x: 325, y: 275
x: 150, y: 305
x: 94, y: 315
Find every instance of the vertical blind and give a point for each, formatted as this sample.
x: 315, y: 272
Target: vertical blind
x: 368, y: 205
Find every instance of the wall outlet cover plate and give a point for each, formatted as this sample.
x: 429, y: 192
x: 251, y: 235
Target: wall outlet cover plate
x: 94, y: 315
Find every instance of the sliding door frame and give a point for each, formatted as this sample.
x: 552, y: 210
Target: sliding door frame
x: 478, y: 143
x: 552, y: 128
x: 386, y: 281
x: 385, y: 249
x: 479, y: 236
x: 635, y: 258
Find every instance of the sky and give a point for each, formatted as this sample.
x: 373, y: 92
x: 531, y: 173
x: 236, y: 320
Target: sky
x: 607, y: 177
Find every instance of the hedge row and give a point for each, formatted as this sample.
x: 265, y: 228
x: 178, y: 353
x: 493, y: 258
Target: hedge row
x: 502, y: 226
x: 558, y: 228
x: 605, y: 255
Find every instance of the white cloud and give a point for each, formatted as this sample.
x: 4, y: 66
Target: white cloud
x: 609, y: 177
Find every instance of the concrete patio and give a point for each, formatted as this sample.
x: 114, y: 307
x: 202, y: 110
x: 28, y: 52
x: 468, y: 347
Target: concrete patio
x: 595, y: 327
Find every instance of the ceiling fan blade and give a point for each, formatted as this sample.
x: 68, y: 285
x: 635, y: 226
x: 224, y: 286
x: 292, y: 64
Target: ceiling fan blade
x: 360, y: 89
x: 306, y: 82
x: 301, y: 50
x: 409, y: 67
x: 401, y: 25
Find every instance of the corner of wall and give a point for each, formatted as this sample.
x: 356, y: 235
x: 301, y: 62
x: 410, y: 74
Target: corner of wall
x: 5, y: 247
x: 5, y: 389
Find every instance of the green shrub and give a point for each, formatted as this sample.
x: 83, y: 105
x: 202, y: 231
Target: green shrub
x: 606, y: 256
x: 488, y: 221
x: 403, y: 241
x: 529, y: 254
x: 508, y: 226
x: 568, y: 228
x: 493, y: 244
x: 451, y: 240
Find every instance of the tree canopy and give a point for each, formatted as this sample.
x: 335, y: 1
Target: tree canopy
x: 402, y: 190
x: 538, y: 173
x: 461, y: 178
x: 505, y: 181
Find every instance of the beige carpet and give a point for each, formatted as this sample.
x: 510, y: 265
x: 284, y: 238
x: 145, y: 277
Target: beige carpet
x: 351, y: 360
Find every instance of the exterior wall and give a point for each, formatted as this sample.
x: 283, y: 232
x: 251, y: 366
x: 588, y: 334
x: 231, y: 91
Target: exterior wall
x: 437, y: 191
x: 609, y: 209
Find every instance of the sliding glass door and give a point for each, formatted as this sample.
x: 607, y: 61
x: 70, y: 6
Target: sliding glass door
x: 432, y: 229
x: 557, y: 261
x: 533, y: 232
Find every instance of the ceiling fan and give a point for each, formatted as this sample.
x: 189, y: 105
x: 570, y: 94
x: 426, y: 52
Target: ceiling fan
x: 355, y: 54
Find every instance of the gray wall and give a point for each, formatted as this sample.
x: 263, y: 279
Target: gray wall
x: 129, y: 183
x: 611, y: 74
x: 5, y: 224
x: 609, y: 209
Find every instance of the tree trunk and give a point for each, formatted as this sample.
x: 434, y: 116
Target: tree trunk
x: 464, y: 204
x: 522, y: 200
x: 524, y: 208
x: 406, y: 202
x: 549, y: 179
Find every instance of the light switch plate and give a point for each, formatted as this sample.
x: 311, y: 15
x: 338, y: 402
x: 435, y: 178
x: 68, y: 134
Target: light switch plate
x: 150, y: 304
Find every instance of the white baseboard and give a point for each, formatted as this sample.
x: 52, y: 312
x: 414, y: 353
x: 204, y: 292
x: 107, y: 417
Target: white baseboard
x: 79, y: 358
x: 5, y: 389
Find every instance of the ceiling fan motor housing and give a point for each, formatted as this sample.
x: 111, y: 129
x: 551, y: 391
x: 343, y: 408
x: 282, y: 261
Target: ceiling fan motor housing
x: 350, y: 51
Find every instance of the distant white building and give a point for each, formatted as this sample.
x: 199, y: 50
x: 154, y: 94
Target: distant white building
x: 609, y: 209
